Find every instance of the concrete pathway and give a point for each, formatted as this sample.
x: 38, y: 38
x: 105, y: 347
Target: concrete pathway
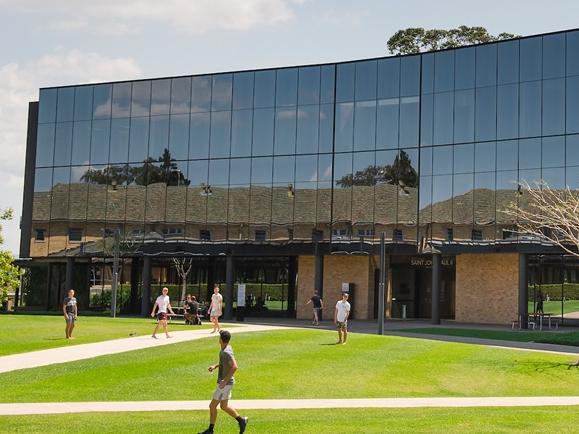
x: 73, y: 353
x: 286, y: 404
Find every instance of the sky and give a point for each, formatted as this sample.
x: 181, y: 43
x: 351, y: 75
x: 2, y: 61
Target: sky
x: 58, y: 42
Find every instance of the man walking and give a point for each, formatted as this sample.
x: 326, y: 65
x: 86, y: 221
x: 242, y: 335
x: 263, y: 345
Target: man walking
x: 70, y: 310
x: 225, y: 381
x: 341, y: 314
x: 216, y: 308
x: 163, y: 304
x: 317, y: 305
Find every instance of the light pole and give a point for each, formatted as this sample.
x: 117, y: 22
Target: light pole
x: 381, y: 285
x: 115, y: 274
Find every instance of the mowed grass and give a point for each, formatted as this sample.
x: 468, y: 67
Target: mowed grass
x: 427, y: 420
x: 546, y: 337
x: 300, y: 364
x: 22, y: 333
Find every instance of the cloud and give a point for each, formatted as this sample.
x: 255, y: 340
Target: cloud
x: 19, y: 83
x: 188, y: 16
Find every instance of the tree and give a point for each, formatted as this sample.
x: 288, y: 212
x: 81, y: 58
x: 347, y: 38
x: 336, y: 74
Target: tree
x: 183, y: 267
x: 416, y: 39
x: 9, y: 273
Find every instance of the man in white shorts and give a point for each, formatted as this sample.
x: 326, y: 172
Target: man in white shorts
x: 341, y: 314
x: 216, y: 308
x: 163, y: 304
x: 225, y: 381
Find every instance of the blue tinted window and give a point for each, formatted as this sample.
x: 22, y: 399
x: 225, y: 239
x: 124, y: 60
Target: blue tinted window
x: 181, y: 95
x: 484, y: 156
x: 45, y: 145
x: 47, y: 106
x: 463, y: 158
x: 326, y: 136
x: 388, y: 78
x: 508, y: 62
x: 200, y: 94
x: 324, y: 167
x: 62, y: 144
x: 83, y: 103
x: 121, y: 100
x: 263, y: 121
x: 99, y: 147
x: 464, y: 116
x: 197, y: 172
x: 553, y: 154
x: 530, y: 109
x: 555, y: 178
x: 243, y: 90
x: 264, y: 89
x: 486, y: 65
x: 342, y: 166
x: 387, y: 124
x: 410, y: 76
x: 219, y: 172
x: 572, y: 105
x: 309, y: 85
x: 531, y: 176
x: 179, y: 136
x: 554, y: 106
x: 573, y: 53
x: 221, y: 92
x: 65, y: 105
x: 286, y: 87
x: 138, y: 139
x: 199, y: 135
x: 158, y: 136
x: 102, y: 98
x: 362, y: 161
x: 61, y: 175
x: 507, y: 155
x: 241, y: 125
x: 261, y: 170
x: 366, y: 80
x: 327, y: 83
x: 572, y: 150
x: 285, y: 131
x: 442, y: 160
x: 119, y: 151
x: 42, y: 179
x: 486, y: 113
x: 307, y: 129
x: 442, y: 195
x: 427, y: 119
x: 531, y: 58
x: 365, y: 125
x: 345, y: 82
x: 306, y: 168
x: 508, y: 111
x: 464, y: 68
x: 240, y: 171
x: 426, y: 161
x: 443, y: 71
x: 409, y: 120
x: 443, y: 117
x: 529, y: 153
x: 344, y: 126
x: 428, y: 73
x: 283, y: 169
x: 554, y: 56
x: 141, y: 98
x: 220, y: 134
x: 81, y: 142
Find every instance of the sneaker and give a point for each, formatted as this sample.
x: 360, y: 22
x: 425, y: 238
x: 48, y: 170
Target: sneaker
x: 207, y: 431
x: 243, y: 424
x: 154, y: 337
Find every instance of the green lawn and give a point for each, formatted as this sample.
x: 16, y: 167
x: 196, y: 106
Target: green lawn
x: 21, y: 333
x: 300, y: 364
x: 546, y: 337
x: 554, y: 307
x: 434, y: 420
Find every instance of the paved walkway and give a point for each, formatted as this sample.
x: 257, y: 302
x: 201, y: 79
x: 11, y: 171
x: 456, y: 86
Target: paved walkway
x: 73, y: 353
x: 286, y: 404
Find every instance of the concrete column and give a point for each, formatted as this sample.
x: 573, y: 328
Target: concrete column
x: 133, y: 299
x: 319, y: 276
x: 146, y: 291
x: 523, y: 290
x: 436, y: 288
x: 229, y: 264
x: 291, y: 286
x: 69, y: 276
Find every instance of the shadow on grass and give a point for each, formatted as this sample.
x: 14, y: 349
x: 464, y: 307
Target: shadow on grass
x: 544, y: 366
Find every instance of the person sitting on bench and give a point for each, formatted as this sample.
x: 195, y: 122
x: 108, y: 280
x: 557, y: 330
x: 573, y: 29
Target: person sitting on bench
x: 191, y: 310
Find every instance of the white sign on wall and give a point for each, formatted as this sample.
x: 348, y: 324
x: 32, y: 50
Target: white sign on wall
x: 241, y: 295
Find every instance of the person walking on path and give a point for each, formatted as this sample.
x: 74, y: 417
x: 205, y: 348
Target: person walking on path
x: 341, y: 314
x: 317, y: 305
x: 70, y: 310
x: 163, y: 304
x: 216, y: 308
x: 227, y: 367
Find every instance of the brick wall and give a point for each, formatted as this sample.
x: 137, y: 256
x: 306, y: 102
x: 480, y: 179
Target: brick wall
x: 487, y: 287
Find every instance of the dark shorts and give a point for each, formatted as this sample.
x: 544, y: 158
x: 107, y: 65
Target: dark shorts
x: 162, y: 316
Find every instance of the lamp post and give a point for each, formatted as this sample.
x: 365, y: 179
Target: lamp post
x: 115, y: 274
x: 381, y: 285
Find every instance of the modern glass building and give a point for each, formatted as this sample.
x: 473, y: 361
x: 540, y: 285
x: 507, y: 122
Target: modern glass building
x: 284, y: 179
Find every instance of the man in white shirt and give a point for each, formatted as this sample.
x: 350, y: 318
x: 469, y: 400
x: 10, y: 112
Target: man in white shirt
x: 216, y: 308
x: 163, y: 304
x: 341, y: 314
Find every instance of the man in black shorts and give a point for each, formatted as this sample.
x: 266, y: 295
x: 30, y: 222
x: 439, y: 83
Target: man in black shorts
x: 317, y: 305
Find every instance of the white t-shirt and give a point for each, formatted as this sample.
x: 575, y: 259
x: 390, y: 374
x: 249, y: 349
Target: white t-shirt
x: 343, y: 310
x: 162, y: 303
x: 216, y: 301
